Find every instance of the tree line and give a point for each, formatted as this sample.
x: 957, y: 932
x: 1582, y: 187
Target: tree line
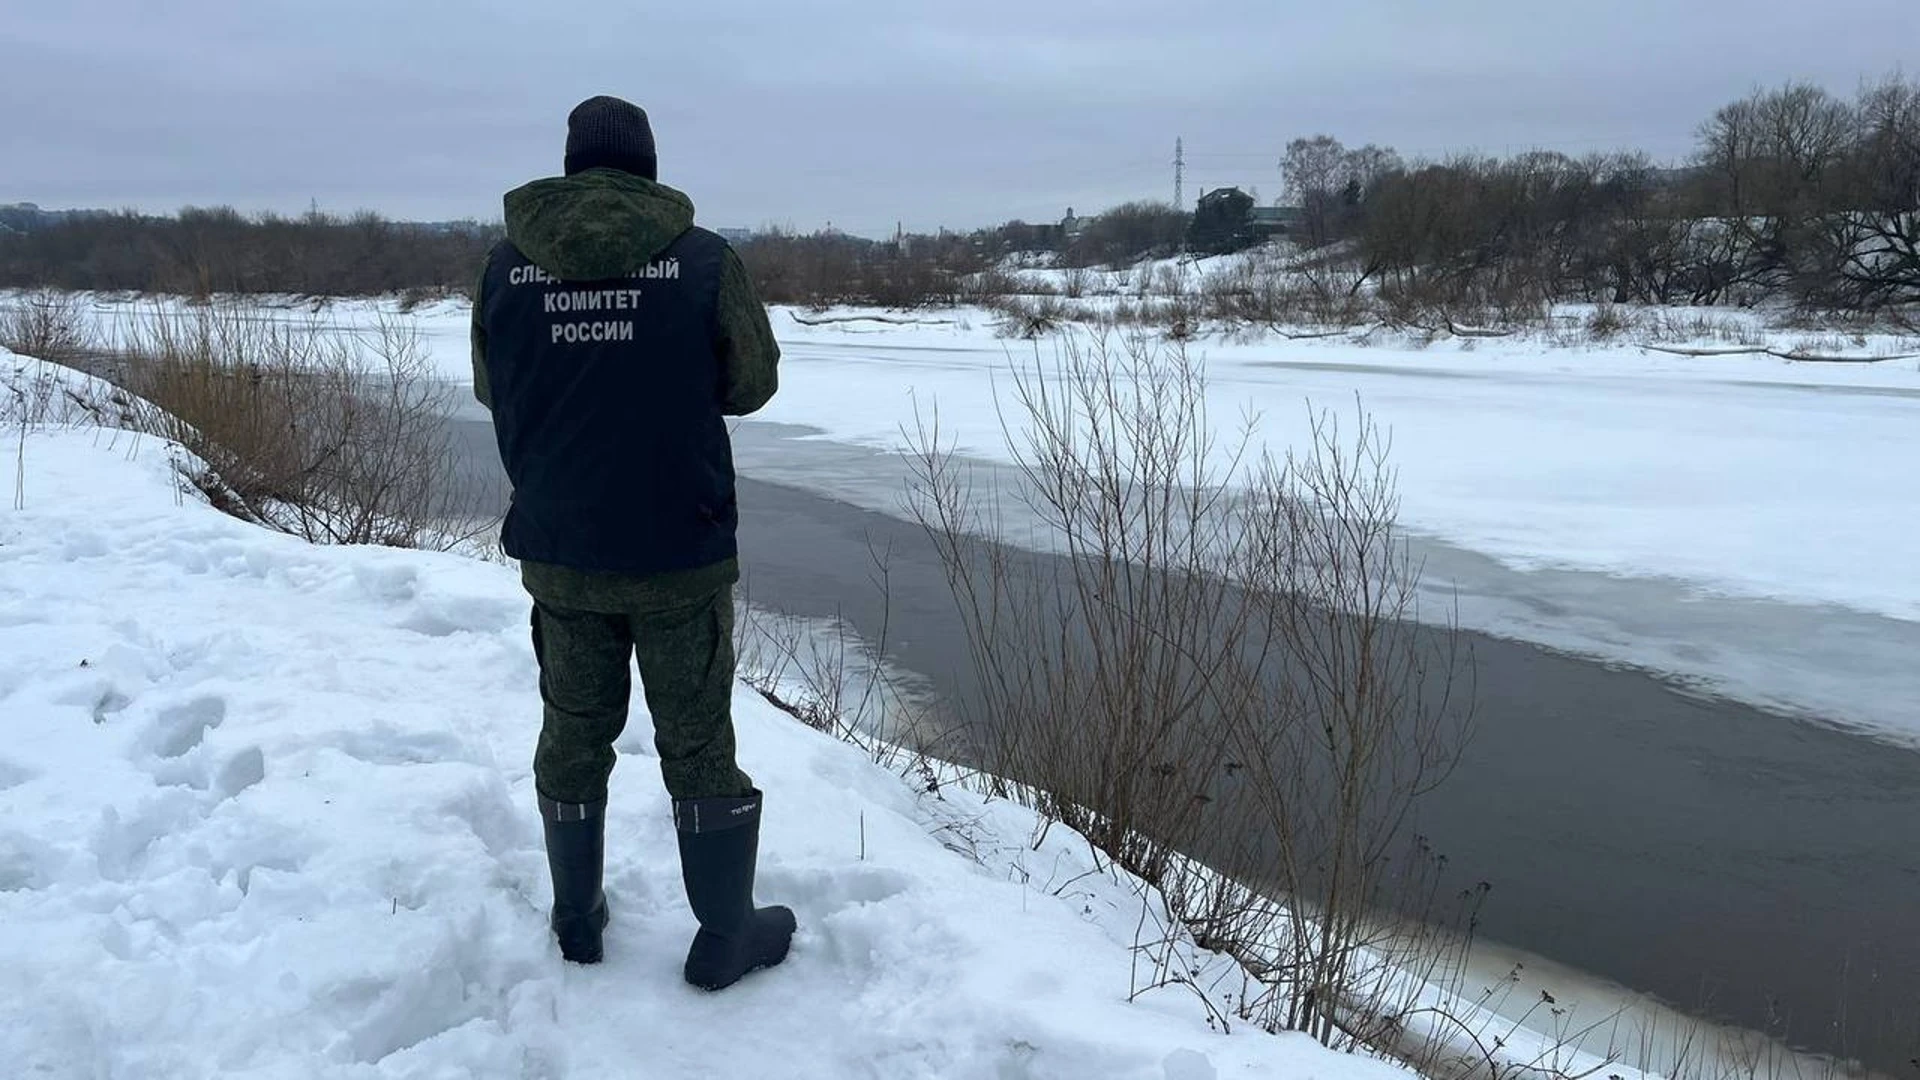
x: 202, y: 251
x: 1793, y: 193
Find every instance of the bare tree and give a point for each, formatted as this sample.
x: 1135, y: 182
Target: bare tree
x: 1874, y: 244
x: 1127, y: 233
x: 1315, y: 170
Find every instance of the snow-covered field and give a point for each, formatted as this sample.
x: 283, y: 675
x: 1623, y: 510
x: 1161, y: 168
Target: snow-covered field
x: 265, y: 811
x: 1745, y: 523
x: 1750, y: 477
x: 1745, y: 475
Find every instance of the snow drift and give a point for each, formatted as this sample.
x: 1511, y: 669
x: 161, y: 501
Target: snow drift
x: 266, y: 810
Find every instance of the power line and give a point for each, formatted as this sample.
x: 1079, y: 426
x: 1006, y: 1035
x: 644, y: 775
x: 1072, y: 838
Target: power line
x: 1179, y: 173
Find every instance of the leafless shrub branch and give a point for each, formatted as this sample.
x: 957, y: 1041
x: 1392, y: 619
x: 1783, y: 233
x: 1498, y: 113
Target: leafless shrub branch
x: 1220, y: 683
x: 332, y: 436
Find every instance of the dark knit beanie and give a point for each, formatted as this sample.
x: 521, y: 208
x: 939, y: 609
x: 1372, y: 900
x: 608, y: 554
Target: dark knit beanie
x: 605, y: 132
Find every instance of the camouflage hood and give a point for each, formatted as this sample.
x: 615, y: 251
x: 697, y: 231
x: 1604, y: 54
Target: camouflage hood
x: 596, y: 224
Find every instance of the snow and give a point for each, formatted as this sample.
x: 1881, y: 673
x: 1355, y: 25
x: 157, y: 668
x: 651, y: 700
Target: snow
x: 265, y: 810
x: 1750, y: 477
x: 438, y: 328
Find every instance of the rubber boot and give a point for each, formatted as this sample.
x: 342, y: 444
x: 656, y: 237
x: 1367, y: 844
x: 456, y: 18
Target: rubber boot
x: 576, y: 849
x: 719, y: 844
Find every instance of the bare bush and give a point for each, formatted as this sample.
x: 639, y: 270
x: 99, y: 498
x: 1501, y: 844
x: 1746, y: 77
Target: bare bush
x: 329, y: 435
x: 1030, y: 317
x: 1607, y: 322
x: 1220, y: 683
x: 47, y: 324
x: 989, y: 286
x: 37, y: 391
x: 826, y: 268
x: 1365, y: 715
x: 1270, y: 293
x: 1668, y: 326
x: 1116, y: 774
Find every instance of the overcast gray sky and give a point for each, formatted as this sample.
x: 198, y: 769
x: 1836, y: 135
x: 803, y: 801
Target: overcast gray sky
x: 861, y: 112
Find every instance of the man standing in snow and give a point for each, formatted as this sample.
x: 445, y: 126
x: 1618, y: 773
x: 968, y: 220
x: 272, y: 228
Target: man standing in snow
x: 610, y: 338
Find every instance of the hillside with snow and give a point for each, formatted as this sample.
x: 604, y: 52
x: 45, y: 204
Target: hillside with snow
x: 266, y: 811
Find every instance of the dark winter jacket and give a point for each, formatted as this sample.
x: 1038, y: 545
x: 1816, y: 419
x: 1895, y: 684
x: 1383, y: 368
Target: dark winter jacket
x: 610, y: 336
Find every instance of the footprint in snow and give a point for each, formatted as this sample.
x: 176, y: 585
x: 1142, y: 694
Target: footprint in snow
x: 174, y: 742
x: 388, y: 584
x: 108, y: 702
x: 242, y: 771
x: 384, y: 744
x: 245, y: 846
x: 445, y: 616
x: 1188, y: 1065
x: 381, y: 1015
x: 487, y: 809
x: 178, y: 729
x: 123, y: 846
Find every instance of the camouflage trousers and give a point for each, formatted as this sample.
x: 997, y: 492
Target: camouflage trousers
x: 684, y: 646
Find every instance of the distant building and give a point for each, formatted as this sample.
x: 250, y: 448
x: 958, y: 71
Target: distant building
x: 1266, y: 222
x: 735, y: 236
